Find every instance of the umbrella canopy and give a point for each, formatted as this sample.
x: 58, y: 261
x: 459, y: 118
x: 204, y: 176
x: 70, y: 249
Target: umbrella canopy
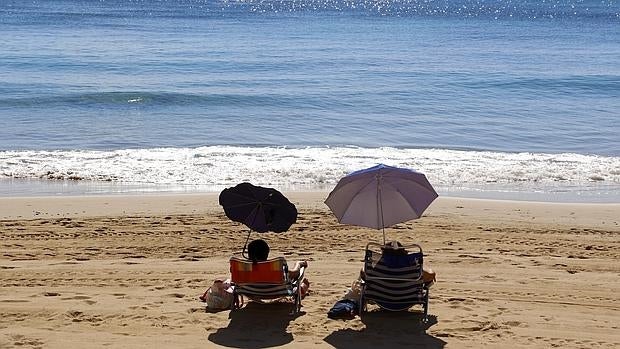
x: 260, y: 209
x: 380, y: 196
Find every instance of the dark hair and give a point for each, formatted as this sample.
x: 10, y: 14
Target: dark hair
x: 258, y: 250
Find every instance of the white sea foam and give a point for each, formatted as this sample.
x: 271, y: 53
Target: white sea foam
x: 219, y: 166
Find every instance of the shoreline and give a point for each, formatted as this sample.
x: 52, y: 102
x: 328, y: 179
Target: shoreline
x: 595, y: 215
x: 594, y: 192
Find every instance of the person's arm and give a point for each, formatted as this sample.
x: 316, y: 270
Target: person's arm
x: 294, y: 272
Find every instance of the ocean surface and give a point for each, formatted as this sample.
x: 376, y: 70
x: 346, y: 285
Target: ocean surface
x: 505, y: 99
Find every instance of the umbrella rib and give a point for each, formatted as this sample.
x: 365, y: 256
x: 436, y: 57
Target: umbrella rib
x: 357, y: 192
x: 255, y: 212
x: 405, y: 198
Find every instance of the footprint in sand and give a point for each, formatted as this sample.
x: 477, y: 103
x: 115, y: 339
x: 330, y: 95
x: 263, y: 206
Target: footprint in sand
x: 22, y: 341
x: 78, y: 297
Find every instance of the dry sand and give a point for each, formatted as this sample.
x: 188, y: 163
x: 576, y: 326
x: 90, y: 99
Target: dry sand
x: 126, y: 272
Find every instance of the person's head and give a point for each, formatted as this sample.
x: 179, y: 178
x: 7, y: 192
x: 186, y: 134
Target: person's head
x: 394, y: 248
x: 258, y: 250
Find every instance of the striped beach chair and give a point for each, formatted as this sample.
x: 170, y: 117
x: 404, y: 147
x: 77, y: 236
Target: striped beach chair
x: 265, y: 280
x: 393, y: 281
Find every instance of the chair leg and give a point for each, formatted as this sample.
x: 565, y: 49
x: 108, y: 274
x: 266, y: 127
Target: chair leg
x: 299, y: 305
x: 235, y: 301
x: 425, y: 318
x: 361, y: 307
x: 296, y: 301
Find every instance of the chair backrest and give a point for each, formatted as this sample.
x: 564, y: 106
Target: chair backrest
x: 391, y: 280
x: 272, y: 271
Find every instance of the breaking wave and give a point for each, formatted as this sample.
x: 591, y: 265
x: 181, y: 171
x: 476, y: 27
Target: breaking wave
x: 309, y: 166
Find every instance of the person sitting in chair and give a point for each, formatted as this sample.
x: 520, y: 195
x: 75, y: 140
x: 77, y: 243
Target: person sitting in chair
x: 349, y: 305
x: 258, y: 251
x: 395, y: 248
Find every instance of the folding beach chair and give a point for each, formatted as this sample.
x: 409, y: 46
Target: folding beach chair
x: 393, y: 281
x: 266, y: 280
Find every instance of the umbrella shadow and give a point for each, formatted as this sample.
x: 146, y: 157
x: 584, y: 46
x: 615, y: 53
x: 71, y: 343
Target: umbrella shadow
x: 383, y: 328
x: 256, y: 326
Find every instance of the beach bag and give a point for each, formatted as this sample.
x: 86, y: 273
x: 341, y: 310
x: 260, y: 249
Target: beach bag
x: 343, y: 309
x: 219, y: 296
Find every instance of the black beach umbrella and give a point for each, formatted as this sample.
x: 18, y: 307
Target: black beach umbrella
x: 260, y: 209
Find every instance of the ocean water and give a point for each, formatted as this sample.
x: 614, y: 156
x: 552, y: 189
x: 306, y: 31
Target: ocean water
x: 498, y: 98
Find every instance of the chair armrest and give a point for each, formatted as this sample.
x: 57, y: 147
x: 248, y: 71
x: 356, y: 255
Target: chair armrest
x: 302, y: 270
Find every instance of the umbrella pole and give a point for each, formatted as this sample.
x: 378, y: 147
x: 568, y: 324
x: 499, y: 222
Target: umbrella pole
x: 255, y: 211
x: 384, y: 236
x: 246, y: 244
x: 380, y: 206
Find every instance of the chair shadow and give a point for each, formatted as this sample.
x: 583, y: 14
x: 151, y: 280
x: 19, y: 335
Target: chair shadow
x: 388, y: 329
x: 256, y: 325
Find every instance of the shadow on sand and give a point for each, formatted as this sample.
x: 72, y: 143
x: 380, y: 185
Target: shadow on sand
x: 257, y: 326
x: 387, y: 329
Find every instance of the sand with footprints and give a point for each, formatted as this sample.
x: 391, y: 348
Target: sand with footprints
x: 126, y: 272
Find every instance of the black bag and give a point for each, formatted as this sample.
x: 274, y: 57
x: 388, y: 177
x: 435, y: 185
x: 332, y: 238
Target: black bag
x: 343, y: 309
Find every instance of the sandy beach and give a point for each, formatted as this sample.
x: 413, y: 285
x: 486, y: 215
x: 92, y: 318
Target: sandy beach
x: 126, y: 272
